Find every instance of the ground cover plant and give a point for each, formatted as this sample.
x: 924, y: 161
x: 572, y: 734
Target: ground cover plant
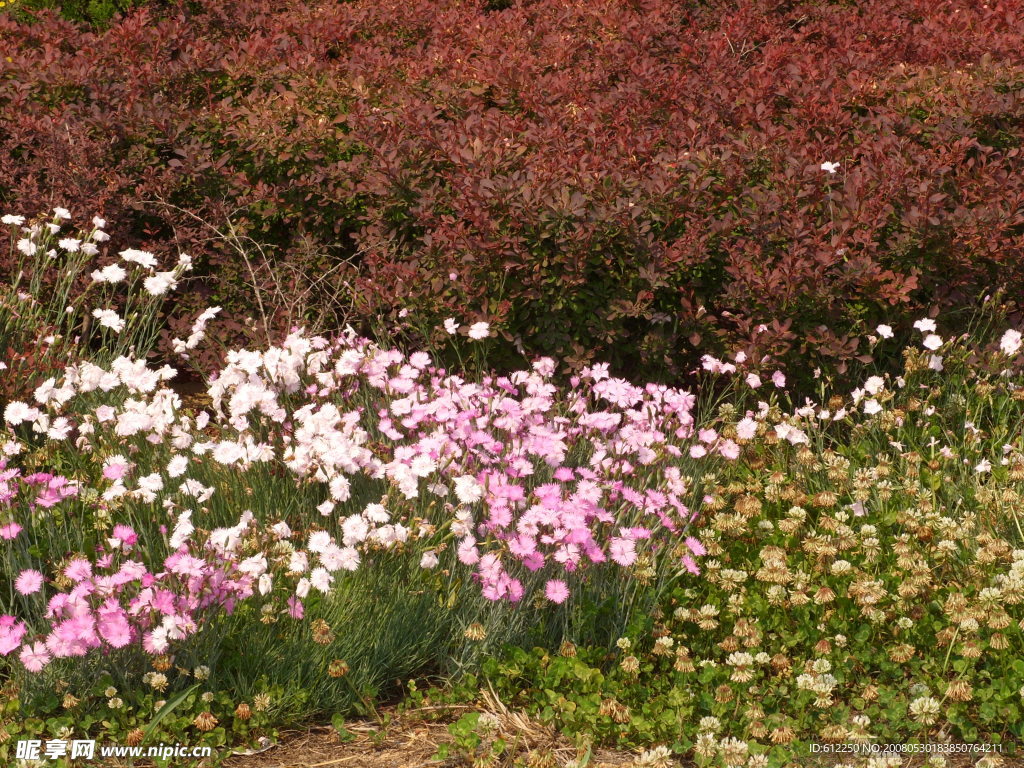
x: 634, y: 182
x: 863, y: 583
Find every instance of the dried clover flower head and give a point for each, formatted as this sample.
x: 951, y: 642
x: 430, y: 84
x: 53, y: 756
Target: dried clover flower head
x: 322, y: 633
x: 724, y: 694
x: 134, y: 737
x: 205, y: 721
x: 960, y: 690
x: 613, y: 709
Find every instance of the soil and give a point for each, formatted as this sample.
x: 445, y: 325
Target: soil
x: 409, y: 742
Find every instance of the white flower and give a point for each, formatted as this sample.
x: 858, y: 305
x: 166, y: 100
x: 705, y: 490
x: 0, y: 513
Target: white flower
x: 160, y: 283
x: 1011, y: 342
x: 26, y: 246
x: 479, y: 330
x: 176, y: 467
x: 468, y: 489
x: 17, y: 412
x: 10, y: 218
x: 265, y: 583
x: 429, y: 560
x: 318, y: 541
x: 872, y: 407
x: 320, y: 578
x: 926, y: 325
x: 885, y: 331
x: 935, y: 363
x: 142, y: 258
x: 450, y: 325
x: 925, y: 709
x: 349, y: 558
x: 62, y: 213
x: 112, y: 273
x: 829, y: 167
x: 109, y: 319
x: 100, y: 237
x: 932, y: 341
x: 70, y: 244
x: 45, y: 391
x: 983, y: 466
x: 183, y: 528
x: 874, y: 385
x: 98, y: 222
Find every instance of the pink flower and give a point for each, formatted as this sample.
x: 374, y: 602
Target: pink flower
x: 556, y: 591
x: 746, y: 428
x: 115, y: 471
x: 707, y: 435
x: 730, y: 450
x: 28, y: 582
x: 78, y: 569
x: 691, y: 565
x: 467, y: 551
x: 125, y: 534
x: 34, y: 657
x: 623, y: 551
x: 779, y: 379
x: 10, y: 531
x: 11, y: 633
x: 695, y: 546
x: 753, y: 380
x: 115, y: 630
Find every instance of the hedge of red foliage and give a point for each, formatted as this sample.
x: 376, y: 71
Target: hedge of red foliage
x: 620, y: 179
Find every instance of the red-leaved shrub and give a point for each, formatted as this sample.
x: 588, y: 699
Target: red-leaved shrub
x: 618, y: 179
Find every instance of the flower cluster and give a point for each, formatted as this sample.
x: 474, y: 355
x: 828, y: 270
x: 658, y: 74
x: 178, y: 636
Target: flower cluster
x: 514, y: 477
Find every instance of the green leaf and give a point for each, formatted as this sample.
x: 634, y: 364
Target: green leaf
x: 165, y: 710
x: 338, y: 723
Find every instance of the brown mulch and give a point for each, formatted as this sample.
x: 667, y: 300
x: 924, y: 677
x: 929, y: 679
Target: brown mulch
x: 411, y: 741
